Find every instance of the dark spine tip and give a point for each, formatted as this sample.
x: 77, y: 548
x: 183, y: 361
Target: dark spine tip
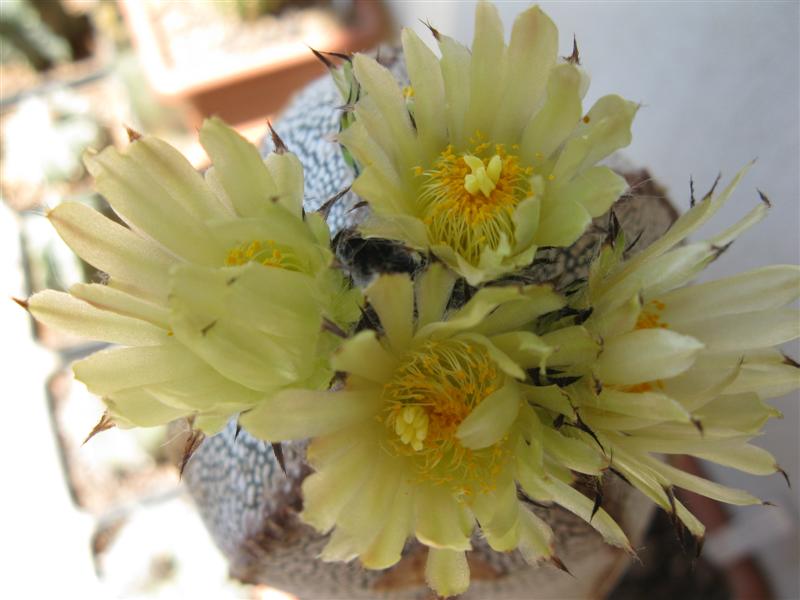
x: 785, y: 475
x: 103, y: 424
x: 559, y: 564
x: 326, y: 207
x: 575, y: 57
x: 133, y: 135
x: 699, y: 542
x: 788, y: 360
x: 698, y: 425
x: 190, y: 447
x: 598, y: 502
x: 764, y: 198
x: 323, y: 59
x: 434, y: 32
x: 710, y: 192
x: 671, y: 497
x: 331, y: 327
x: 23, y: 303
x: 280, y: 146
x: 692, y: 199
x: 277, y: 449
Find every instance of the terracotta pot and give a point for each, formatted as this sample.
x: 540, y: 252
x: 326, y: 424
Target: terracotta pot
x: 270, y: 75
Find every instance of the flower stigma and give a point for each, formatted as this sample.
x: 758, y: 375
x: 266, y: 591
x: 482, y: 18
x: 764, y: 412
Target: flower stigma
x: 469, y: 198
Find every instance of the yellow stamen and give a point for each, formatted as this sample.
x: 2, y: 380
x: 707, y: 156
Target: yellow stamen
x: 468, y: 199
x: 266, y: 252
x: 650, y: 316
x: 431, y: 394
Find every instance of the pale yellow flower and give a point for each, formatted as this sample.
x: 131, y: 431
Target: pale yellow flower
x: 671, y: 368
x: 488, y: 155
x: 432, y: 431
x: 217, y: 289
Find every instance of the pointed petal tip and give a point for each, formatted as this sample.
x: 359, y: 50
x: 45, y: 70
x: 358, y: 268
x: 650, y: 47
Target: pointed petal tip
x: 322, y: 58
x: 193, y: 442
x: 133, y: 135
x: 575, y: 57
x: 280, y: 146
x: 21, y: 302
x: 778, y: 469
x: 435, y: 32
x: 105, y: 423
x: 277, y: 449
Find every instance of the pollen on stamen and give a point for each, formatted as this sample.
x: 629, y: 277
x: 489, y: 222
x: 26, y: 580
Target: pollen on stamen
x: 265, y: 252
x: 469, y: 198
x: 432, y: 393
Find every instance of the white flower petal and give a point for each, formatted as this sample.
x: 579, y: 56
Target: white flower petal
x: 433, y: 289
x: 167, y: 168
x: 645, y: 355
x: 398, y: 524
x: 287, y: 175
x: 491, y: 419
x: 62, y: 311
x: 766, y: 288
x: 441, y: 521
x: 608, y: 128
x: 238, y: 168
x: 487, y: 70
x: 392, y: 297
x: 744, y: 331
x: 107, y: 298
x: 298, y: 414
x: 112, y: 248
x: 138, y: 408
x: 531, y: 54
x: 425, y: 74
x: 383, y: 91
x: 562, y: 222
x: 582, y: 506
x: 595, y: 189
x: 747, y: 458
x: 363, y: 355
x: 447, y: 572
x: 456, y: 72
x: 135, y: 195
x: 557, y: 118
x: 328, y: 491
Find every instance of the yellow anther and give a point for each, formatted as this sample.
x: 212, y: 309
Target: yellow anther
x: 466, y: 197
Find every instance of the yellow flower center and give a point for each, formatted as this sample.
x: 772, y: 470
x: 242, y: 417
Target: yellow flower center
x: 267, y: 253
x: 650, y: 316
x: 468, y: 199
x: 431, y: 394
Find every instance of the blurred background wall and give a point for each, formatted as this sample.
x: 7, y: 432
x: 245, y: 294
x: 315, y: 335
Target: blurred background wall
x: 719, y: 84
